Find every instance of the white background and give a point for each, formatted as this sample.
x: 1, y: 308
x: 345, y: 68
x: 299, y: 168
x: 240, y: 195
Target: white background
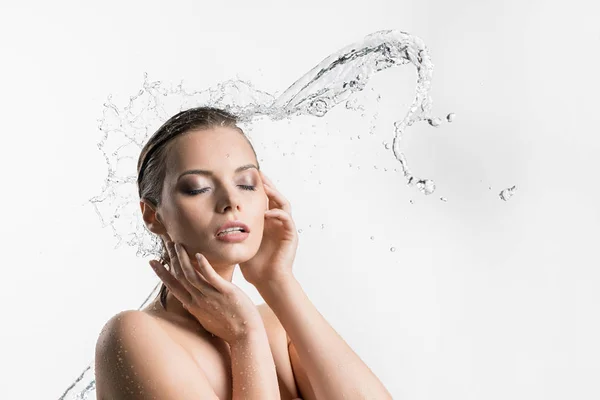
x: 482, y: 299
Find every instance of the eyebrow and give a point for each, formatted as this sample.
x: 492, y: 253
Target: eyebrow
x: 210, y: 173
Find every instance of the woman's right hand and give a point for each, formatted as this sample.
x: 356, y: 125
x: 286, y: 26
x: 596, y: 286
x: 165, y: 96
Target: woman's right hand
x: 220, y: 306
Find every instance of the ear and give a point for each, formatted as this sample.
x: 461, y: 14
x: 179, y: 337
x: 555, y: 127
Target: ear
x: 151, y: 218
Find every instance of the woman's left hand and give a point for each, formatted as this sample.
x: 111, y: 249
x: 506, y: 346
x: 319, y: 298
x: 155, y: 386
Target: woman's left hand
x: 277, y: 251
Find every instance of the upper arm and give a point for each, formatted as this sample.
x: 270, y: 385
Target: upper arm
x: 282, y: 346
x: 136, y: 359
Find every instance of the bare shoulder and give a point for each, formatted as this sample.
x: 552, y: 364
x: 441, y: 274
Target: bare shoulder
x: 135, y: 358
x: 123, y: 325
x: 115, y: 327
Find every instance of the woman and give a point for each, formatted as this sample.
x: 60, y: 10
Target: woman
x: 202, y: 337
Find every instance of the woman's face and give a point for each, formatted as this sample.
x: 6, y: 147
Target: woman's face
x: 194, y: 205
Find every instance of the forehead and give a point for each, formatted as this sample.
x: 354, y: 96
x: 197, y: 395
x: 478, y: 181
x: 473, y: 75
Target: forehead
x: 214, y: 149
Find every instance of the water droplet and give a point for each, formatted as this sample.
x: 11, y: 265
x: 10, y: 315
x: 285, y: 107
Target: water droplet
x: 506, y: 194
x: 450, y: 117
x: 318, y: 107
x: 322, y: 89
x: 434, y: 121
x: 393, y: 249
x: 426, y: 186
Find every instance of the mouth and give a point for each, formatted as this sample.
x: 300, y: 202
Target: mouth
x: 231, y: 232
x: 232, y: 236
x: 232, y: 227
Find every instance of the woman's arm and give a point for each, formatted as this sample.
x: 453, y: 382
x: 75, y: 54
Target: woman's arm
x: 253, y: 369
x: 333, y: 369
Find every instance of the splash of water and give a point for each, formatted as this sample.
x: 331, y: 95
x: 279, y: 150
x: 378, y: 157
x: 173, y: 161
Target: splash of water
x: 507, y: 193
x: 328, y: 84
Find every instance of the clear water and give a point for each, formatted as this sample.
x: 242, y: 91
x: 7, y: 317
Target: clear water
x: 328, y: 84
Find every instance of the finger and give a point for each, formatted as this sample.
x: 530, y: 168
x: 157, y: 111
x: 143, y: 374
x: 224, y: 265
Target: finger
x: 265, y: 178
x: 284, y: 217
x: 173, y: 260
x: 279, y: 199
x: 267, y: 182
x: 210, y: 274
x: 179, y: 273
x: 178, y: 270
x: 171, y: 282
x: 191, y: 274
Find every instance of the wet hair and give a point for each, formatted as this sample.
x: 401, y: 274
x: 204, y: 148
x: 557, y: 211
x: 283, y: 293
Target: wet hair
x: 151, y: 166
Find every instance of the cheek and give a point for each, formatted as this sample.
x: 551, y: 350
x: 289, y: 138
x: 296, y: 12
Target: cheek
x: 193, y: 223
x: 259, y: 223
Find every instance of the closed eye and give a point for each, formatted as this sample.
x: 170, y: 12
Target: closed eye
x: 246, y: 187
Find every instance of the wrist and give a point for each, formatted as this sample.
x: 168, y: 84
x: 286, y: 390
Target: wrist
x: 278, y: 292
x: 251, y: 336
x: 275, y: 285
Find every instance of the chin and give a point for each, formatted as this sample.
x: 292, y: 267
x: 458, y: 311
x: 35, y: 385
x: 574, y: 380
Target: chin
x: 238, y: 252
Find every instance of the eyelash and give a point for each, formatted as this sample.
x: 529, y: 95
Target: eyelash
x: 246, y: 187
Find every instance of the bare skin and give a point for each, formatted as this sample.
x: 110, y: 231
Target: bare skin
x: 192, y: 218
x: 212, y: 354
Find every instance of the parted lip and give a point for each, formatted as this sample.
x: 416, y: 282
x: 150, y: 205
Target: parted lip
x: 231, y: 224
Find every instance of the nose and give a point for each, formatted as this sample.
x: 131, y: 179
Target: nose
x: 229, y: 199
